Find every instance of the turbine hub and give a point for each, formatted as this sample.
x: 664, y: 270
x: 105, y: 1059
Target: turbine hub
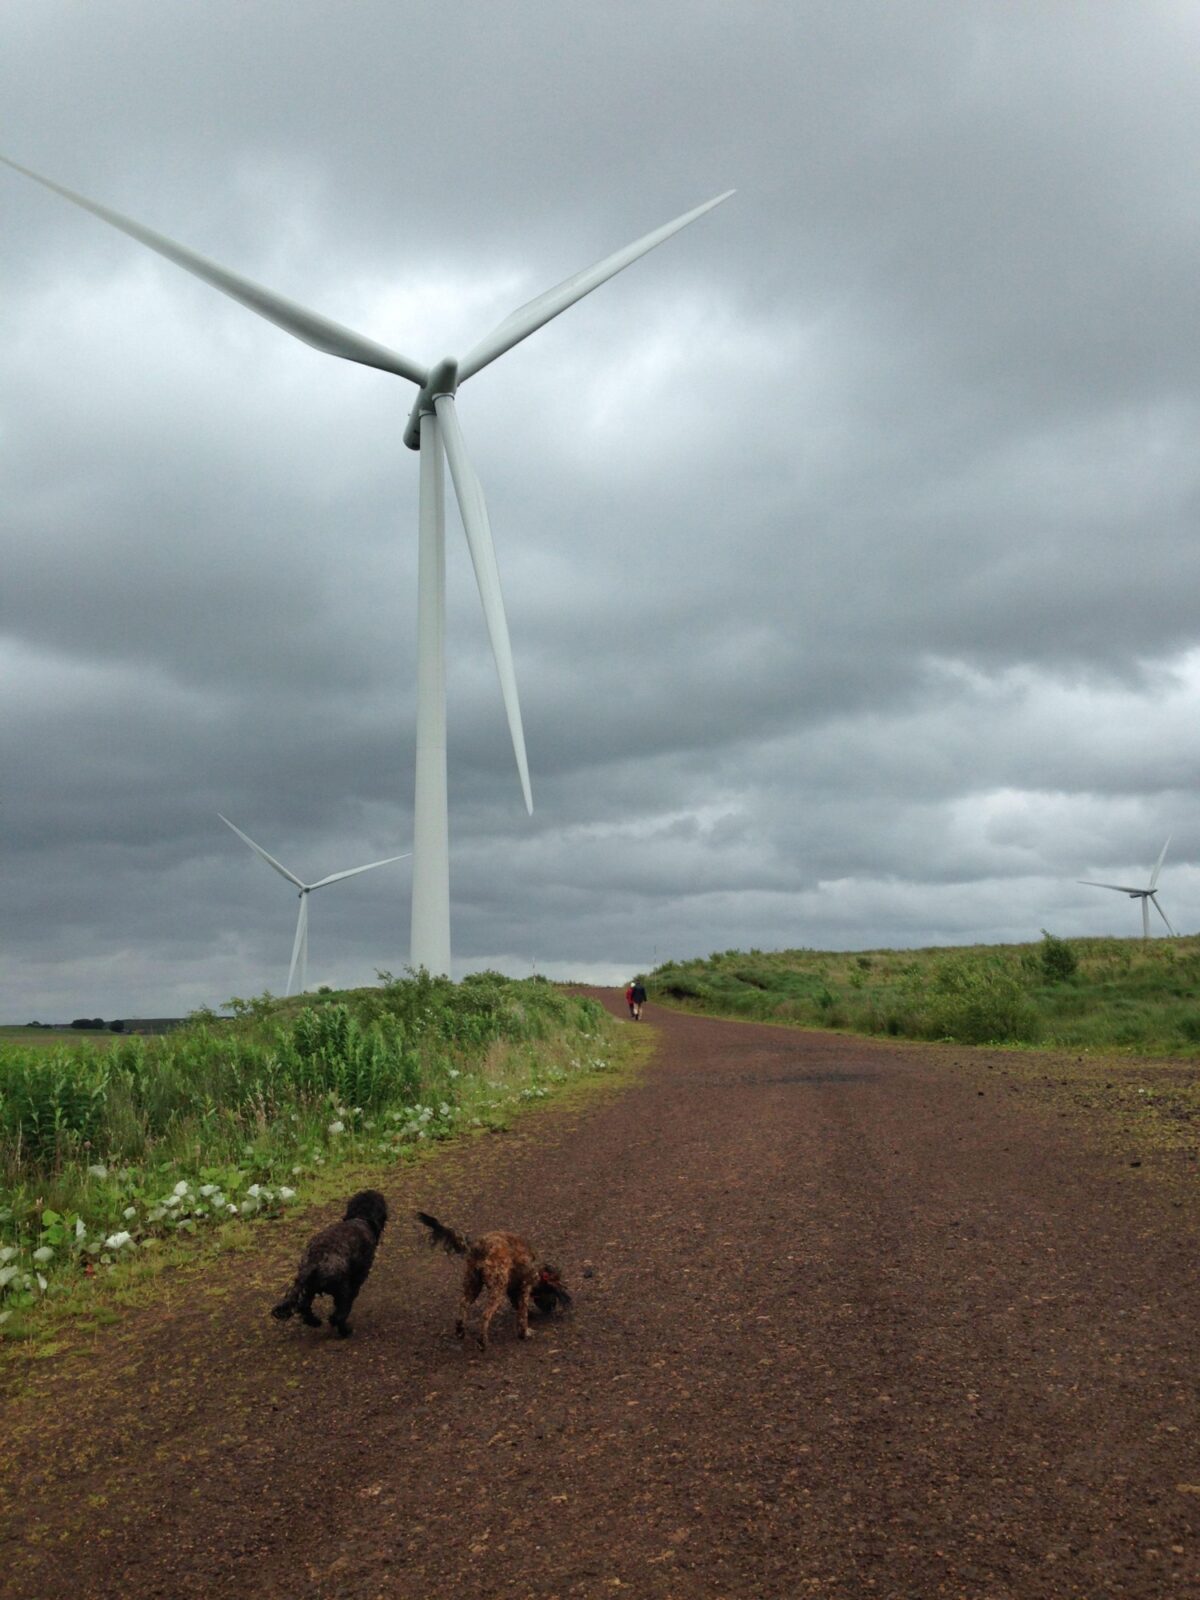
x: 442, y: 379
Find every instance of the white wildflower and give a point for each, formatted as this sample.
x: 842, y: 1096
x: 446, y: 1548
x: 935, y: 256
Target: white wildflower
x: 208, y: 1188
x: 129, y: 1211
x: 181, y: 1188
x: 254, y: 1190
x: 285, y: 1193
x: 43, y: 1254
x: 7, y: 1274
x: 337, y: 1127
x: 233, y: 1210
x: 7, y: 1253
x: 98, y: 1171
x: 117, y: 1241
x: 80, y: 1230
x: 42, y: 1284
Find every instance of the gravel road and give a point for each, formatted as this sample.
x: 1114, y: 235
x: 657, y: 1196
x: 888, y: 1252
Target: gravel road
x: 851, y: 1320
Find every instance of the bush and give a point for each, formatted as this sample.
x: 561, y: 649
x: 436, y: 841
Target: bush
x: 1059, y: 961
x: 977, y: 1002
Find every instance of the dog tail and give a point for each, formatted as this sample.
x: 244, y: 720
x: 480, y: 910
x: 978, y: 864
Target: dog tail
x: 451, y: 1241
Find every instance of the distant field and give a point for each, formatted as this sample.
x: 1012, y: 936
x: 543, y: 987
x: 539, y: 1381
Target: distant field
x: 25, y: 1037
x: 1131, y: 995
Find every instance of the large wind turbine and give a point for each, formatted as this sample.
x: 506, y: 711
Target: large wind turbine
x: 1145, y: 895
x: 300, y: 943
x: 432, y: 429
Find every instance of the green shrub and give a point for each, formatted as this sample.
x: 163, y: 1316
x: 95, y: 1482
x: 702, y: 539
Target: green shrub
x: 976, y: 1001
x: 1059, y: 961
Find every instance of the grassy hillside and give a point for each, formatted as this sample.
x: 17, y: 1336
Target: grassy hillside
x: 1095, y: 994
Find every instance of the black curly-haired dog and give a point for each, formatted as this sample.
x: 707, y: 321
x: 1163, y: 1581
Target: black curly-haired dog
x: 337, y: 1262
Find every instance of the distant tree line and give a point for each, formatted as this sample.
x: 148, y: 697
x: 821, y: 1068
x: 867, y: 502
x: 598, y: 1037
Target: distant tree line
x: 118, y: 1025
x: 91, y: 1024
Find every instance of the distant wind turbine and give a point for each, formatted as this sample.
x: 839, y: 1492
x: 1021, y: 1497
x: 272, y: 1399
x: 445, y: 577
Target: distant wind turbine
x: 300, y: 944
x: 432, y: 429
x: 1144, y: 895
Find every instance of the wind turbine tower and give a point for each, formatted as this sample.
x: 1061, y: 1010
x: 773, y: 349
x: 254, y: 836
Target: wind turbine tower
x: 433, y: 429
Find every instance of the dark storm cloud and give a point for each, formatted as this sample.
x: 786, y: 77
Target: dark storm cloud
x: 848, y: 540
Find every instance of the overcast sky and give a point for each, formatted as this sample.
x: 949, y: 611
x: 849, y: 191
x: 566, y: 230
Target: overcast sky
x: 849, y: 539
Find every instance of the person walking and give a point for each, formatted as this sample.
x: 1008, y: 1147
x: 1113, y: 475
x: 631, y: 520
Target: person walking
x: 638, y: 993
x: 629, y: 998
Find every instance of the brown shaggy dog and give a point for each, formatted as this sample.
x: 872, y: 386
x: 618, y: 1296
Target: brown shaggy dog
x: 337, y: 1262
x: 501, y: 1263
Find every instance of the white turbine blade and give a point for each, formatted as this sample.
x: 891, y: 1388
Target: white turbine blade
x: 529, y: 318
x: 354, y: 871
x: 1162, y: 914
x: 1121, y: 888
x: 1158, y: 864
x: 299, y: 945
x: 487, y: 575
x: 270, y: 860
x: 312, y: 328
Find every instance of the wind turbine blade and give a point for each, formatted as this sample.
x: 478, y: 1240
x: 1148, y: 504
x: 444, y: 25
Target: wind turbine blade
x: 1121, y: 888
x: 354, y: 871
x: 1158, y: 864
x: 258, y: 849
x: 1145, y: 916
x: 310, y: 326
x: 535, y: 314
x: 299, y: 945
x: 1162, y: 914
x: 487, y: 575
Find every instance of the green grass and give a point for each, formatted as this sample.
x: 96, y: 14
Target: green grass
x: 111, y: 1152
x: 54, y: 1038
x: 1116, y: 995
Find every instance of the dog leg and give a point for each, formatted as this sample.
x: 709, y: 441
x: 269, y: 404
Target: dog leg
x: 523, y: 1311
x: 343, y: 1299
x: 496, y: 1279
x: 472, y: 1284
x: 307, y: 1315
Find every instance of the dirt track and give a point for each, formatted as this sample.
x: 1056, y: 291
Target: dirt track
x: 855, y: 1328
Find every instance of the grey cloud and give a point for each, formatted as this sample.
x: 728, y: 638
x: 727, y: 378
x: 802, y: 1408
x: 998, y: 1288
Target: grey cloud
x: 848, y: 541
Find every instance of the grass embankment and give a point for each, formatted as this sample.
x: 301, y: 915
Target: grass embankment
x: 113, y: 1155
x: 1111, y: 1027
x: 1086, y: 994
